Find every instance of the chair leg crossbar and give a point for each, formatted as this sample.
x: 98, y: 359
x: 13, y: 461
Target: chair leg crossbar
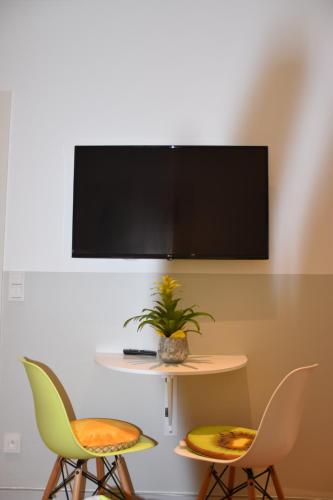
x: 73, y: 475
x: 251, y: 483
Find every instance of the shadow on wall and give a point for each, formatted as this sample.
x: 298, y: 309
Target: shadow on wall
x: 273, y: 107
x: 230, y: 297
x: 212, y: 399
x: 317, y: 240
x: 300, y: 170
x: 270, y: 118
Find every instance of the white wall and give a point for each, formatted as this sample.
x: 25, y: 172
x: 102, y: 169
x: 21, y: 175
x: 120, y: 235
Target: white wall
x: 176, y: 72
x: 169, y: 72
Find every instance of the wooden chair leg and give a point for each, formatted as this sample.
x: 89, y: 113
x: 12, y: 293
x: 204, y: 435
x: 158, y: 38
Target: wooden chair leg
x: 77, y: 487
x: 83, y: 482
x: 231, y: 479
x: 251, y: 492
x: 125, y: 479
x: 205, y: 483
x: 100, y: 473
x: 277, y: 484
x: 53, y: 479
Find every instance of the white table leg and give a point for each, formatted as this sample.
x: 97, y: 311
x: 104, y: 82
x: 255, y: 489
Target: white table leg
x: 170, y: 403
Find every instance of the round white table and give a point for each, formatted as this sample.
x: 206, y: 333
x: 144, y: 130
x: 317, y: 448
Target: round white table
x: 195, y: 364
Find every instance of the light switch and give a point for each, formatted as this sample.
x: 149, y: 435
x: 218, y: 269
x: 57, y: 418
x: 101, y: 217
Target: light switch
x: 16, y: 286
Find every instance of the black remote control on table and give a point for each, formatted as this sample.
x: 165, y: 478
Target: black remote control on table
x: 140, y: 352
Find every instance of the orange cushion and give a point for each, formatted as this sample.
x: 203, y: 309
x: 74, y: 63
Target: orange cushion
x: 225, y: 442
x: 102, y: 435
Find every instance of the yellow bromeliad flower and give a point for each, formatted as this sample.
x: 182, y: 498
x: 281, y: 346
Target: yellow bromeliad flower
x: 179, y: 334
x: 167, y: 285
x: 167, y: 319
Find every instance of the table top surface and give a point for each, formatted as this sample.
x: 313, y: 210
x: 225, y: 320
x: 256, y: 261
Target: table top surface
x: 195, y: 364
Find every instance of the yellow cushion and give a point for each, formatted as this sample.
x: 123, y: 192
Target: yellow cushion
x: 220, y: 441
x: 103, y: 435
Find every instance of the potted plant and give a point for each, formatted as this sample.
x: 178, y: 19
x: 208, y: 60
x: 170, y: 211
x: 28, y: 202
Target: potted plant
x: 170, y: 321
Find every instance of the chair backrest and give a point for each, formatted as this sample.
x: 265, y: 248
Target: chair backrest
x: 279, y: 425
x: 53, y: 411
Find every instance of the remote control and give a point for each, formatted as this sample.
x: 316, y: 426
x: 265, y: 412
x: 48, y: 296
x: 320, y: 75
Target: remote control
x: 141, y: 352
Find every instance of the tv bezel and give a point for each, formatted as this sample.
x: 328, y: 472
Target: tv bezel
x: 172, y: 256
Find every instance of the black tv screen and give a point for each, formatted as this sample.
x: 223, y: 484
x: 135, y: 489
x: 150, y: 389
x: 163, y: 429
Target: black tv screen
x: 174, y: 202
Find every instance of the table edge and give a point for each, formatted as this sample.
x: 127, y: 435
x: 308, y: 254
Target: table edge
x: 168, y: 371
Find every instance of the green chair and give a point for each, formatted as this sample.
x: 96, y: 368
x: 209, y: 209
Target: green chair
x: 55, y: 420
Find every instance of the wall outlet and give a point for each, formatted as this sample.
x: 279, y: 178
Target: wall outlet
x: 12, y: 443
x: 16, y: 286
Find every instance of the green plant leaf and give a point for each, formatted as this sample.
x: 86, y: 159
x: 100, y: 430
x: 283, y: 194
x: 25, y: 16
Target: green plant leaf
x: 201, y: 313
x: 194, y: 322
x: 148, y: 322
x: 134, y: 318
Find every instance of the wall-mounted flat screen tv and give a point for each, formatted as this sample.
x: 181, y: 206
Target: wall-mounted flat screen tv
x: 170, y: 202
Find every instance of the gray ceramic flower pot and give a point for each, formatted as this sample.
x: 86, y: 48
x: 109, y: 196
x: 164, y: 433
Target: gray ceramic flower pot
x: 173, y: 350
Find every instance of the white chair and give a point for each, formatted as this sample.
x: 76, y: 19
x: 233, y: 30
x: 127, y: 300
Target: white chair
x: 273, y: 440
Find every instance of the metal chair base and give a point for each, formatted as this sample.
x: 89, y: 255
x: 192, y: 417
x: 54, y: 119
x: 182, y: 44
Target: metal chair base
x: 253, y: 482
x: 112, y: 479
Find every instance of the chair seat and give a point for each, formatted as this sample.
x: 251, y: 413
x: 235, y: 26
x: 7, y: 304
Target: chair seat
x: 104, y: 435
x: 224, y: 442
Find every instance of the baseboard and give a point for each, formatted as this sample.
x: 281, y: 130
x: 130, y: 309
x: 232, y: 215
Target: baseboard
x: 36, y: 493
